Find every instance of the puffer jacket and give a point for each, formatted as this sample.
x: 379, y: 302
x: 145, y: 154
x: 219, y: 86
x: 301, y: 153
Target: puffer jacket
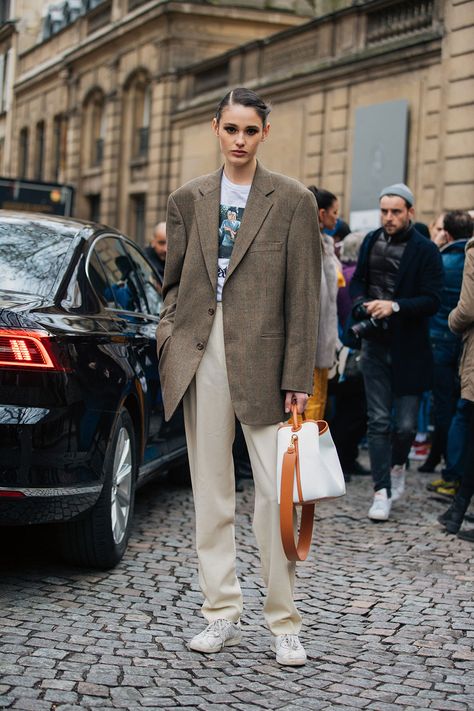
x: 327, y: 330
x: 461, y: 321
x: 452, y: 256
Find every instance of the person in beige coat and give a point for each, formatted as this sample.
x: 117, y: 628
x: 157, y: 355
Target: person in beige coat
x: 461, y: 321
x: 237, y: 339
x: 331, y: 277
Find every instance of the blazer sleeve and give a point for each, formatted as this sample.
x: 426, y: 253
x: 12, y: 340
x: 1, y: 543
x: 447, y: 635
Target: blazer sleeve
x: 303, y: 283
x: 176, y: 250
x: 462, y: 317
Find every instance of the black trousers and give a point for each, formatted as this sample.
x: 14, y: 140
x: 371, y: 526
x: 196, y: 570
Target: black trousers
x: 350, y: 420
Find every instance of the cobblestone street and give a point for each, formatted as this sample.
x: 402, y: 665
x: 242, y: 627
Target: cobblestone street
x: 388, y: 612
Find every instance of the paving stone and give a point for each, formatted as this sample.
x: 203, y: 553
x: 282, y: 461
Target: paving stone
x: 387, y: 617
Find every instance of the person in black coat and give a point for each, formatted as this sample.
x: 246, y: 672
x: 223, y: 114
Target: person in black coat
x: 395, y: 289
x: 156, y: 251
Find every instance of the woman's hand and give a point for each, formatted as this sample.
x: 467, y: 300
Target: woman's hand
x: 299, y: 398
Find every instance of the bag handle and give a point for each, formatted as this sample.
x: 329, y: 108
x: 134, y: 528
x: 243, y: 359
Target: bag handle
x: 295, y: 425
x: 293, y: 551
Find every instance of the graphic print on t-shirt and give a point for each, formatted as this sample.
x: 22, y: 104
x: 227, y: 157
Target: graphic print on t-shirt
x: 229, y: 224
x: 230, y: 218
x: 231, y: 212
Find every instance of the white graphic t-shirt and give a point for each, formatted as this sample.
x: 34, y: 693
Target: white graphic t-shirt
x: 233, y: 202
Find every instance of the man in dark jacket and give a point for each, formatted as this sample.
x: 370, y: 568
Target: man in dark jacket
x: 395, y: 289
x: 156, y: 252
x: 447, y: 345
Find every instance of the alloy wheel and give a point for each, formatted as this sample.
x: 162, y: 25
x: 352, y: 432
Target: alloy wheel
x: 121, y: 485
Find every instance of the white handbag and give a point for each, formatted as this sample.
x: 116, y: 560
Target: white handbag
x: 308, y: 470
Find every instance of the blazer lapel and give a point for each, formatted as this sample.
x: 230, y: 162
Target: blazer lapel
x: 207, y: 218
x: 258, y: 206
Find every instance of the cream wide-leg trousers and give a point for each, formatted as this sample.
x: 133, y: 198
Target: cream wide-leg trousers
x: 210, y: 428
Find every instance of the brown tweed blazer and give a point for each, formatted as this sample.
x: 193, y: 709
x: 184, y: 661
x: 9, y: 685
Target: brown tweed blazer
x: 270, y: 298
x: 461, y: 321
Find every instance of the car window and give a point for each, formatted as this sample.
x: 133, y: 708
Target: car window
x: 148, y: 278
x: 99, y: 281
x: 33, y: 254
x: 124, y: 286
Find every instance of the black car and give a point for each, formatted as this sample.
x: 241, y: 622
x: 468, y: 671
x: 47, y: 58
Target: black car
x: 81, y: 413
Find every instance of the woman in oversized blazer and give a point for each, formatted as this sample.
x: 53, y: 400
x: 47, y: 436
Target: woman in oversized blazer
x: 237, y: 337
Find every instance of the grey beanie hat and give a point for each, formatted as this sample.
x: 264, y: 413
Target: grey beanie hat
x: 401, y: 190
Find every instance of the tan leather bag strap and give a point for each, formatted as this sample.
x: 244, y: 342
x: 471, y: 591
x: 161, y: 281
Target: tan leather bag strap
x: 293, y: 551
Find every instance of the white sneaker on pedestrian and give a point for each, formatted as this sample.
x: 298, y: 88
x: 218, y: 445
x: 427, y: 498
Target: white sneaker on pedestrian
x: 217, y: 635
x: 380, y: 509
x: 397, y: 478
x: 289, y: 650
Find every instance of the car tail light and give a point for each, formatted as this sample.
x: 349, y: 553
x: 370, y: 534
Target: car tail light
x: 12, y: 494
x: 27, y: 349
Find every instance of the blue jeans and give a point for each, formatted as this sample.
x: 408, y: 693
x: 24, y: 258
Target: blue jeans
x: 388, y: 445
x: 445, y: 393
x: 458, y: 438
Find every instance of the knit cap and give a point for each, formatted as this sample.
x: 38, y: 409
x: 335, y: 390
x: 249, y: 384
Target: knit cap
x: 401, y: 190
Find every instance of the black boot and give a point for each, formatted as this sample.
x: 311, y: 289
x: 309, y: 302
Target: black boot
x: 453, y: 517
x: 467, y: 535
x: 434, y: 457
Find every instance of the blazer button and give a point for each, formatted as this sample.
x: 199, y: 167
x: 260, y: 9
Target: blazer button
x: 200, y: 346
x: 211, y: 312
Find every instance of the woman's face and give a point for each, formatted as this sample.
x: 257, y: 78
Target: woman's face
x: 240, y: 132
x: 328, y: 217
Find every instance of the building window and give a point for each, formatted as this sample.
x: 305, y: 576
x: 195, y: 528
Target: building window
x: 94, y: 208
x: 213, y: 77
x: 23, y: 153
x: 98, y: 131
x: 39, y: 151
x: 98, y: 15
x: 4, y: 81
x: 60, y: 147
x: 137, y: 222
x: 140, y: 101
x: 4, y: 11
x: 94, y: 129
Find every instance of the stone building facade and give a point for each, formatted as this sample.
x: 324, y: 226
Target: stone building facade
x: 121, y: 99
x: 20, y: 26
x: 319, y: 74
x: 94, y: 101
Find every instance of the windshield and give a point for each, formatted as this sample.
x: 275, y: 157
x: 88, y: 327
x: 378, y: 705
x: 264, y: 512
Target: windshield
x: 32, y: 254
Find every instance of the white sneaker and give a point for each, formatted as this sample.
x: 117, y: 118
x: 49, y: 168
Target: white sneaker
x: 217, y: 635
x: 397, y: 478
x: 380, y: 509
x: 289, y: 650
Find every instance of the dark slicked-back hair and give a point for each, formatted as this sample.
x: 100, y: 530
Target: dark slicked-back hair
x: 459, y: 224
x: 244, y: 97
x: 323, y: 197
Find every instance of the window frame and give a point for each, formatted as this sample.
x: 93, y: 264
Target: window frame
x: 145, y: 315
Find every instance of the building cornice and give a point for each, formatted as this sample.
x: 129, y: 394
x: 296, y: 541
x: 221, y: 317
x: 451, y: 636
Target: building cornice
x: 378, y: 62
x: 137, y: 18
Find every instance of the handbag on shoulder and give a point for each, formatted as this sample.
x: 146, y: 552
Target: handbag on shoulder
x: 308, y: 470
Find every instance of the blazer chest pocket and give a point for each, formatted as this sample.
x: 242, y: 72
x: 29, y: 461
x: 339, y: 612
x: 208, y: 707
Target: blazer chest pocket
x: 266, y: 247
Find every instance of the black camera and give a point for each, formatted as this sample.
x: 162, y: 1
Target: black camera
x: 366, y: 325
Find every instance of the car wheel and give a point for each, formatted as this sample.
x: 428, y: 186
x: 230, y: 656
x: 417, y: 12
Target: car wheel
x: 100, y: 538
